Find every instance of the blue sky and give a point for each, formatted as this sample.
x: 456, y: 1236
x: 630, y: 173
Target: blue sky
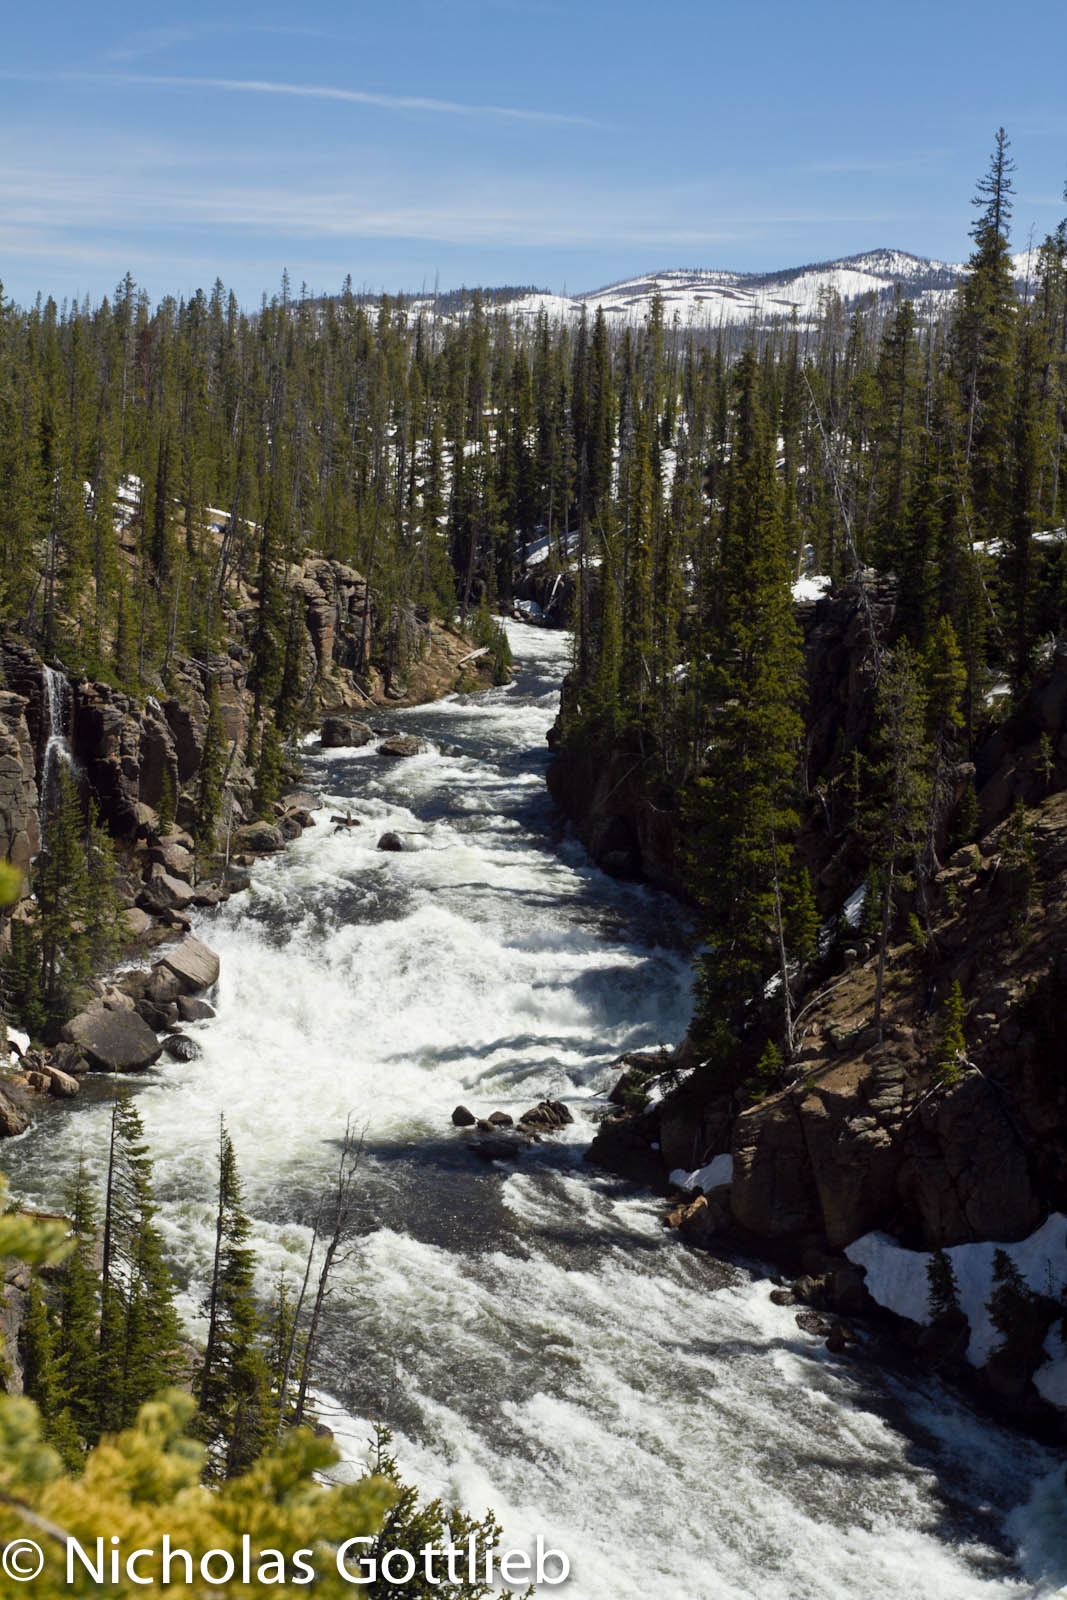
x: 490, y: 141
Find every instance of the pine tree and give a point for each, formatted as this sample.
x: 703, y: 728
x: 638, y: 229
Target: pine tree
x: 951, y: 1044
x: 896, y: 808
x: 140, y: 1335
x: 44, y: 1376
x: 210, y: 775
x: 77, y: 928
x: 983, y: 341
x: 1021, y: 1317
x: 234, y: 1381
x: 78, y: 1284
x: 269, y: 771
x: 742, y: 812
x: 943, y: 1289
x: 411, y: 1525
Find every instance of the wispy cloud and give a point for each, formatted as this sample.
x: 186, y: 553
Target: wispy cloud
x: 310, y: 91
x: 150, y: 41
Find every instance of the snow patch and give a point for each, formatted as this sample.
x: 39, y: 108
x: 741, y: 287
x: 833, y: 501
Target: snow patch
x: 715, y: 1175
x: 897, y: 1279
x: 811, y: 588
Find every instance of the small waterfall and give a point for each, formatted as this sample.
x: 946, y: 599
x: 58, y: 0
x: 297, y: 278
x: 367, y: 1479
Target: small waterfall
x: 57, y: 751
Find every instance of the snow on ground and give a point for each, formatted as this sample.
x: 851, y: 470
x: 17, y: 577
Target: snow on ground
x: 15, y: 1036
x: 811, y: 587
x: 897, y: 1279
x: 538, y: 549
x: 718, y: 1172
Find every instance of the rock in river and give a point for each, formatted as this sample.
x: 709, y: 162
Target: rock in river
x: 179, y: 1048
x: 339, y: 733
x: 192, y: 964
x: 401, y: 744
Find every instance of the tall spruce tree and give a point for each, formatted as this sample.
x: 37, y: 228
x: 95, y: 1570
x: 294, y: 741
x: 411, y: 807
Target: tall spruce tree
x: 140, y: 1335
x: 742, y: 813
x: 233, y: 1384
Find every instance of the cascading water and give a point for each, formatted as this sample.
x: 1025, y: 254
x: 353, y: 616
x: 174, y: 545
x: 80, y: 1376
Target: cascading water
x: 57, y: 751
x: 537, y: 1340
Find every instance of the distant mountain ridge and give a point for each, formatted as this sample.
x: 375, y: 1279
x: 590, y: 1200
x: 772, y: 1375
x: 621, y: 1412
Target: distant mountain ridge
x: 696, y: 297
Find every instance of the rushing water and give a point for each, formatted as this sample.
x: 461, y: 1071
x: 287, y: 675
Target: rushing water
x: 538, y: 1341
x: 57, y: 752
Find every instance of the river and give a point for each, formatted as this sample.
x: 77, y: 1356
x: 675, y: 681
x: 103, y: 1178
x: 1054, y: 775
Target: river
x: 538, y: 1341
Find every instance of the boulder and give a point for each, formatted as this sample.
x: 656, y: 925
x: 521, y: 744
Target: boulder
x: 193, y: 1010
x: 462, y: 1118
x: 400, y: 744
x: 163, y: 985
x: 163, y: 892
x: 137, y: 922
x: 300, y: 800
x: 390, y: 841
x: 551, y: 1114
x: 261, y: 837
x: 192, y: 964
x: 501, y: 1149
x: 500, y: 1119
x: 68, y: 1059
x: 61, y: 1086
x: 13, y: 1119
x: 158, y: 1018
x: 174, y: 858
x: 113, y: 1041
x: 811, y: 1322
x: 179, y: 1048
x: 340, y: 733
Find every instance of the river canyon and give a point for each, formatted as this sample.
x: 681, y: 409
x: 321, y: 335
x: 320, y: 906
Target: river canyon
x: 535, y: 1337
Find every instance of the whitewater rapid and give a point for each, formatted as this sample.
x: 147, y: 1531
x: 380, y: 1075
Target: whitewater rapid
x: 536, y: 1339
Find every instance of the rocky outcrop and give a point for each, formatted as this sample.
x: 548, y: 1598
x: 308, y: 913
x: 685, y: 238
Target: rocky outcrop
x: 1027, y: 756
x: 628, y: 822
x: 20, y: 830
x: 874, y: 1135
x: 630, y: 819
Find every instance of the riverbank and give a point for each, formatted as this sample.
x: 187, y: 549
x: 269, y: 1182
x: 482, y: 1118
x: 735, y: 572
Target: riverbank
x: 530, y: 1330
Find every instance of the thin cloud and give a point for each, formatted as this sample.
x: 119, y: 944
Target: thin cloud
x: 152, y: 40
x: 312, y: 91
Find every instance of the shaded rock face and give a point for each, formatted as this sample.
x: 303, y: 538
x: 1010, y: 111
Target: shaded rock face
x: 1011, y: 764
x: 865, y: 1148
x: 628, y: 828
x: 20, y: 829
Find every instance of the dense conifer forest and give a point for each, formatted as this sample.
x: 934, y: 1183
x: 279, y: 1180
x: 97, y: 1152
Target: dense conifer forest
x: 164, y: 469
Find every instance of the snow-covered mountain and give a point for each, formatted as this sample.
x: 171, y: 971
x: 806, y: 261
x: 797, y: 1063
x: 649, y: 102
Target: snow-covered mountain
x: 707, y: 299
